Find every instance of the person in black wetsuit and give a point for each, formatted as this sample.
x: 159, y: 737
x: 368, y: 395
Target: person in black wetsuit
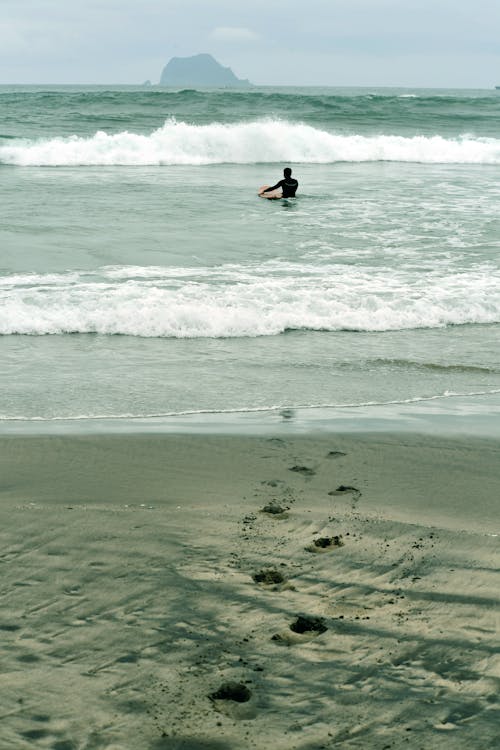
x: 289, y: 185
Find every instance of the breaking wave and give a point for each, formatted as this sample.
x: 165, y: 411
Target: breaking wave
x: 261, y: 141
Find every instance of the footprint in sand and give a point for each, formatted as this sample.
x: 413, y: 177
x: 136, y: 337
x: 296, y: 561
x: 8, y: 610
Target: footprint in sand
x: 269, y: 577
x: 234, y: 699
x: 325, y: 543
x: 273, y: 509
x: 335, y: 454
x: 277, y: 441
x: 302, y: 629
x: 306, y: 624
x: 304, y: 470
x: 345, y: 489
x: 272, y: 482
x: 232, y: 691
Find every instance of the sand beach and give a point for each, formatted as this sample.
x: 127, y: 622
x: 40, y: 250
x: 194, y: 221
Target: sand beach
x: 161, y: 592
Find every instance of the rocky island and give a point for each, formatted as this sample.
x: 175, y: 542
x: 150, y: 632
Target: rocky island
x: 199, y: 70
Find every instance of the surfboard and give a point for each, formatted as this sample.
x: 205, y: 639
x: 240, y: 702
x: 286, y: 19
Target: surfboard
x: 272, y: 195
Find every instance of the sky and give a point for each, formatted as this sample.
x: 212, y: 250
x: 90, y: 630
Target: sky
x: 410, y: 43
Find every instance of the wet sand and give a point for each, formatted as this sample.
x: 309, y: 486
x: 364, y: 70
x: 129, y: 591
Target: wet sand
x: 220, y: 592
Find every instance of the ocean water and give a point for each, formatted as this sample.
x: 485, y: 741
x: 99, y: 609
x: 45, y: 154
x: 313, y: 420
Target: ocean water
x: 142, y: 278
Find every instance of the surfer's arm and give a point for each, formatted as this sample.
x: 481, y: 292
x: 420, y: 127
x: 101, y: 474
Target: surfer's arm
x: 274, y: 187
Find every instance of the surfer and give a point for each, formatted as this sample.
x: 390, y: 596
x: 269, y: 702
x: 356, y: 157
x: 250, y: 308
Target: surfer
x: 288, y: 185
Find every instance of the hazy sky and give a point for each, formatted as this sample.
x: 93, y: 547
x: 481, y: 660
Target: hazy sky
x: 325, y: 42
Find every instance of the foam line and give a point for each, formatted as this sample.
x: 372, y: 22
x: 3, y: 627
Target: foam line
x: 242, y: 301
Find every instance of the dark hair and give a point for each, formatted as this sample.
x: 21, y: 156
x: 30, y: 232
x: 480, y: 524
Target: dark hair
x: 287, y: 171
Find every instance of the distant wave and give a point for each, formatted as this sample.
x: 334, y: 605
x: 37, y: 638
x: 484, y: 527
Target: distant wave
x: 432, y: 366
x: 244, y: 300
x: 262, y: 141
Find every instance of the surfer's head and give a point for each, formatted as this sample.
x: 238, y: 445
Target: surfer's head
x: 287, y: 172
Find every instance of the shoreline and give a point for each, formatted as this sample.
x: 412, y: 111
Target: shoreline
x: 131, y: 613
x: 474, y: 415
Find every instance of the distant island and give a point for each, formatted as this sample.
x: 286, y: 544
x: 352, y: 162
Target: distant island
x: 199, y: 70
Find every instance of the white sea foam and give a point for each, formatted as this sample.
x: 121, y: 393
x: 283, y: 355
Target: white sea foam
x: 245, y: 300
x: 178, y: 143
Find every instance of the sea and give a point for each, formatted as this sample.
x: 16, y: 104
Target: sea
x: 145, y: 285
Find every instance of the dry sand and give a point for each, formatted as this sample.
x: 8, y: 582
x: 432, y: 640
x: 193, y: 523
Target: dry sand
x: 130, y: 617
